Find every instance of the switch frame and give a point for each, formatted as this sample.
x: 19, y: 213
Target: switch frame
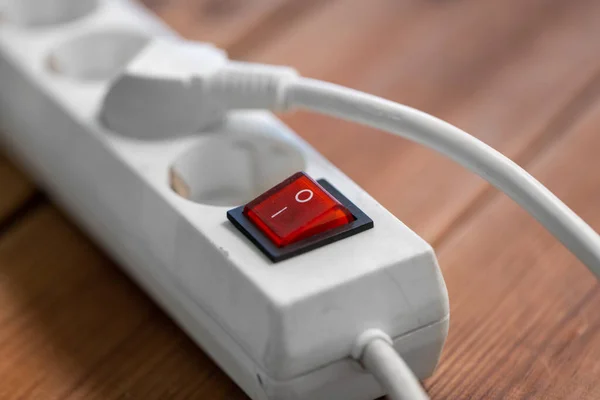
x: 276, y: 254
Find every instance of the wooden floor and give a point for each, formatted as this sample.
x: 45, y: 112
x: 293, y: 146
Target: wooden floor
x: 522, y: 75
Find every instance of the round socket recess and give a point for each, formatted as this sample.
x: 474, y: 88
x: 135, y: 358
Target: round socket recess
x: 231, y: 170
x: 96, y: 56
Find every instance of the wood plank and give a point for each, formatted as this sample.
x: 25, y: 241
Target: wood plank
x: 223, y: 22
x: 516, y: 72
x: 524, y: 310
x: 501, y: 70
x: 74, y: 327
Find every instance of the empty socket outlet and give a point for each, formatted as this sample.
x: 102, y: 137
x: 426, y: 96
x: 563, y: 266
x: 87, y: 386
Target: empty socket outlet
x: 231, y: 170
x: 96, y: 55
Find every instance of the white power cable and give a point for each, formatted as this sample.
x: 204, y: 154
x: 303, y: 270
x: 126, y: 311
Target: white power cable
x: 218, y: 85
x: 241, y: 86
x: 392, y: 373
x: 461, y: 147
x: 376, y: 353
x: 250, y: 86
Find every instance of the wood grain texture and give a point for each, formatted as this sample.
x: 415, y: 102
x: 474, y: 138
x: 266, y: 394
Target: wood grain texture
x: 74, y: 327
x: 225, y: 22
x: 503, y: 71
x: 523, y: 75
x: 525, y: 321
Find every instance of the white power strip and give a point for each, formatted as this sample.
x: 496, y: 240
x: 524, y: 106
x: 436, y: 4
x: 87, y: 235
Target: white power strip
x: 281, y: 331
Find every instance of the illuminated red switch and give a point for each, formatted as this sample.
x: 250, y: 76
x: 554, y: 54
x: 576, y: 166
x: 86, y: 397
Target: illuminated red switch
x: 296, y: 209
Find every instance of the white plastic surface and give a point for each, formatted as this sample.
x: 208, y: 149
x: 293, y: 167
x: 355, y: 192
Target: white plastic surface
x: 281, y: 331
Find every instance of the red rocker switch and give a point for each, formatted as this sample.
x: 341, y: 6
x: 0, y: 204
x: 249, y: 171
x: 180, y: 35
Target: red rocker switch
x: 295, y: 209
x: 298, y: 215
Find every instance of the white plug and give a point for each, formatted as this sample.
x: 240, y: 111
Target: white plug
x: 159, y: 91
x: 180, y: 87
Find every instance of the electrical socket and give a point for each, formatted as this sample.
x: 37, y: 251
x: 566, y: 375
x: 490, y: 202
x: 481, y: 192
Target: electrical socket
x: 281, y: 331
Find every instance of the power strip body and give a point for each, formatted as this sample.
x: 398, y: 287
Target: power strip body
x: 281, y: 331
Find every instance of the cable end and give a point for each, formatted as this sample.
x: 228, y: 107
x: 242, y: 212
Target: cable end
x: 375, y: 351
x: 367, y: 337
